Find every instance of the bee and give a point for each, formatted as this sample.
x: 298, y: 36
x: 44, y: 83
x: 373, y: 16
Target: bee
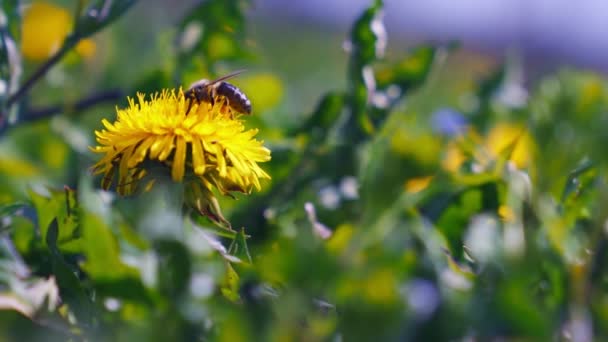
x: 208, y: 91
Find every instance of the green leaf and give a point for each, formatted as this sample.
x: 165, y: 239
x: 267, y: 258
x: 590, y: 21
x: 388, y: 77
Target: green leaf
x: 98, y: 15
x: 11, y: 12
x: 485, y: 91
x: 389, y: 171
x: 453, y: 211
x: 397, y: 80
x: 11, y: 209
x: 367, y: 44
x: 23, y: 234
x: 239, y: 247
x: 409, y: 72
x: 367, y: 37
x: 152, y: 81
x: 60, y: 206
x: 230, y: 285
x: 578, y: 180
x: 519, y: 309
x: 128, y: 234
x: 175, y: 268
x: 71, y: 289
x: 101, y: 250
x: 215, y: 31
x: 217, y: 230
x: 324, y: 116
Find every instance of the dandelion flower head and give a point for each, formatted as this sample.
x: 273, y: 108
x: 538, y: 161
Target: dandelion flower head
x: 209, y: 144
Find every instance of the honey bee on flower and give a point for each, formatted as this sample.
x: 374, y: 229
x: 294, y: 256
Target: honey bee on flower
x: 208, y: 91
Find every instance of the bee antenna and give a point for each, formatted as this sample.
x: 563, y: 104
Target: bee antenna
x: 225, y: 77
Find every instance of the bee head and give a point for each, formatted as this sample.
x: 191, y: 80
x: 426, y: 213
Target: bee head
x: 199, y: 85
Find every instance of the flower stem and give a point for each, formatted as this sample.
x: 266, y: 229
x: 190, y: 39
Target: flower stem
x: 47, y: 112
x: 44, y: 68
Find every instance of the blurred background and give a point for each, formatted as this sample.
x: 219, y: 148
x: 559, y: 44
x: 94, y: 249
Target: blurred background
x: 301, y: 42
x: 547, y: 32
x: 462, y: 165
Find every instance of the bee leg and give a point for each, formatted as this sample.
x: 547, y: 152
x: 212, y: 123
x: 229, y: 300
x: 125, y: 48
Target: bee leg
x: 226, y: 108
x: 189, y: 106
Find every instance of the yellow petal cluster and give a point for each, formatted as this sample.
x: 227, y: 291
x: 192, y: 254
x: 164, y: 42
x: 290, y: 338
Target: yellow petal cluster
x: 208, y: 144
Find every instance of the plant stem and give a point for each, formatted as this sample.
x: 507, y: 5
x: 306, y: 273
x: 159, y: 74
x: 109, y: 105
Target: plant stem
x: 44, y: 68
x: 85, y: 103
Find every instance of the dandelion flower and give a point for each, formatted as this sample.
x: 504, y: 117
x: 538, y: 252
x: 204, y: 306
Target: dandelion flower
x: 505, y: 134
x: 45, y: 26
x: 208, y: 147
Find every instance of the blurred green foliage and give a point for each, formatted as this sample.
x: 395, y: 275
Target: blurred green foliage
x: 412, y: 203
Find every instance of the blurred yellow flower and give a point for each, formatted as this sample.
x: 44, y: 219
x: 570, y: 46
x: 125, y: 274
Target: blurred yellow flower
x: 17, y: 167
x: 506, y: 213
x: 453, y: 157
x: 489, y: 148
x: 422, y: 147
x: 86, y: 48
x: 417, y: 184
x: 44, y: 28
x: 207, y: 143
x: 340, y: 238
x: 503, y: 135
x: 265, y: 89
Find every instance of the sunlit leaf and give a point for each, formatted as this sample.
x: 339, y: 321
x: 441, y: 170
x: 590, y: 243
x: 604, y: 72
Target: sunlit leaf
x: 230, y: 285
x: 61, y: 207
x: 101, y: 250
x: 576, y: 181
x: 71, y: 288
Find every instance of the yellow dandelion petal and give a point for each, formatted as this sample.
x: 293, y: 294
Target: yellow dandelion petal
x: 221, y: 161
x: 207, y: 142
x: 123, y: 169
x: 158, y: 145
x: 179, y: 160
x: 107, y: 125
x: 140, y: 153
x: 198, y: 157
x: 236, y: 162
x: 166, y: 147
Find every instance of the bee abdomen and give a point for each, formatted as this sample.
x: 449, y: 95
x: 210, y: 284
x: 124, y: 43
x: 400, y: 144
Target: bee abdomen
x: 236, y: 98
